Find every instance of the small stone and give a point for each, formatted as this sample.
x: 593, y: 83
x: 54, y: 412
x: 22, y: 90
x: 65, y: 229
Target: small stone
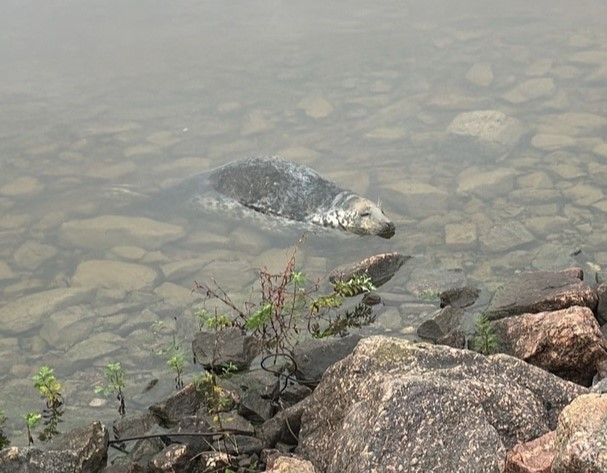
x: 176, y: 294
x: 315, y: 106
x: 32, y: 254
x: 539, y: 67
x: 139, y: 150
x: 133, y: 253
x: 461, y: 236
x: 506, y: 237
x: 256, y: 122
x: 113, y: 275
x: 97, y: 346
x: 601, y: 150
x: 110, y: 230
x: 395, y: 133
x: 22, y: 186
x: 486, y: 184
x: 30, y: 311
x: 550, y: 142
x: 531, y: 90
x: 487, y: 125
x: 6, y: 272
x: 480, y: 74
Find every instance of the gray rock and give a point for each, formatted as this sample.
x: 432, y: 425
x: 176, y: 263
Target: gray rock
x: 580, y: 437
x: 255, y: 407
x: 30, y: 311
x: 81, y: 450
x: 283, y: 427
x: 601, y: 308
x: 541, y: 291
x: 285, y: 464
x: 107, y: 231
x: 506, y: 236
x: 220, y: 349
x: 111, y: 274
x: 491, y: 131
x: 566, y: 342
x: 313, y: 362
x: 379, y: 268
x: 459, y: 297
x: 421, y: 408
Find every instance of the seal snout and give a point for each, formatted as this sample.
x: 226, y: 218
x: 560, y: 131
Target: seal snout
x: 387, y: 231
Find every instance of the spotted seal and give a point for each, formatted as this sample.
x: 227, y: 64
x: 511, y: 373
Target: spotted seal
x: 278, y: 187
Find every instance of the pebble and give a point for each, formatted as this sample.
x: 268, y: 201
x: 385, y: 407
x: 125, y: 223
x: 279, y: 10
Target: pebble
x: 111, y: 230
x: 132, y: 253
x: 27, y: 312
x: 480, y: 74
x: 256, y: 122
x: 488, y: 125
x: 95, y: 347
x: 176, y: 295
x: 64, y: 328
x: 506, y: 237
x: 315, y: 106
x: 420, y: 199
x: 531, y: 89
x: 26, y: 185
x: 32, y: 254
x: 601, y: 150
x: 551, y: 142
x: 486, y: 184
x: 113, y: 275
x: 386, y: 133
x: 139, y: 150
x: 185, y: 268
x: 461, y: 236
x: 6, y: 272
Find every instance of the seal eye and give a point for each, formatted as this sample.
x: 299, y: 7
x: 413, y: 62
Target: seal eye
x: 365, y: 214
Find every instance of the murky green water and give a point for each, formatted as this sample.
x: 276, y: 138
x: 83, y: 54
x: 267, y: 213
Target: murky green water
x: 105, y: 103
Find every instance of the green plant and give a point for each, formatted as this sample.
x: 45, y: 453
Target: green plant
x: 286, y: 302
x: 31, y: 421
x: 211, y: 321
x: 50, y: 390
x: 4, y: 441
x: 115, y: 382
x: 485, y: 338
x: 176, y: 360
x: 217, y: 399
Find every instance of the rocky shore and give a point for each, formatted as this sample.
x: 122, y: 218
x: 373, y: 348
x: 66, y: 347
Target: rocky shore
x: 383, y: 403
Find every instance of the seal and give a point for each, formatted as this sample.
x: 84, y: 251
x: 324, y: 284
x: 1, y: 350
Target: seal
x: 278, y: 187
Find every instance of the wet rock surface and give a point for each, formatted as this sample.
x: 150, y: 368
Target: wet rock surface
x: 580, y: 437
x: 81, y: 450
x: 541, y: 291
x: 566, y: 342
x: 424, y: 396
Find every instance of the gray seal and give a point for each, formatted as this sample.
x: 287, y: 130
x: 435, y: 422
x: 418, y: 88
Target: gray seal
x: 278, y: 187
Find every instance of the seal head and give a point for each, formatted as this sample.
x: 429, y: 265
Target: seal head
x: 355, y: 214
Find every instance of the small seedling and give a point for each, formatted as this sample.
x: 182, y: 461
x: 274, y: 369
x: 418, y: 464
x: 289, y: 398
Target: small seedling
x: 176, y: 361
x: 31, y: 421
x: 114, y: 376
x: 485, y: 338
x: 4, y: 441
x: 217, y: 398
x: 50, y: 390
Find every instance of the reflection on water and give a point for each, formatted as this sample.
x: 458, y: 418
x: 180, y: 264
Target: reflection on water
x: 480, y: 128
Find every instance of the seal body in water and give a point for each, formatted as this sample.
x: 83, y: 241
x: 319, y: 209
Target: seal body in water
x: 278, y: 187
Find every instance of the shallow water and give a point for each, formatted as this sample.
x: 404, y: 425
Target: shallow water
x: 106, y: 104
